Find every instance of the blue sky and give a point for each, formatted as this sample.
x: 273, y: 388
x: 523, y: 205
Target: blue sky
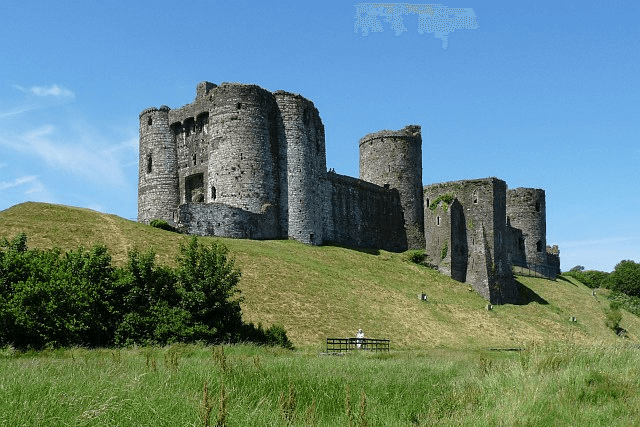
x: 542, y: 94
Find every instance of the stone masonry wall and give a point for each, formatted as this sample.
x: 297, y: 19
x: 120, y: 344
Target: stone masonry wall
x: 363, y: 215
x: 526, y: 211
x: 243, y: 153
x: 217, y: 219
x: 476, y: 230
x: 158, y: 194
x: 304, y: 170
x: 394, y: 158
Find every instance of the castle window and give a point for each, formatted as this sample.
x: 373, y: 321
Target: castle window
x: 213, y: 193
x: 176, y: 128
x: 539, y: 245
x: 150, y: 121
x: 194, y: 159
x: 438, y: 220
x: 239, y: 105
x: 306, y: 117
x: 427, y: 200
x: 149, y: 163
x: 538, y: 206
x: 475, y: 197
x: 189, y: 125
x: 201, y: 121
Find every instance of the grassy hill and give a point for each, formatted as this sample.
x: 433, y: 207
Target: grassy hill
x: 319, y: 292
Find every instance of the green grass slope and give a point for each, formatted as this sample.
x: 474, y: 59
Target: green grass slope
x: 319, y: 292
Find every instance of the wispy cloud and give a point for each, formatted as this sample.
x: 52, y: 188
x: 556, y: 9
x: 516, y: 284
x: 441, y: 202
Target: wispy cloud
x: 16, y: 112
x: 80, y: 158
x: 53, y: 90
x: 17, y: 182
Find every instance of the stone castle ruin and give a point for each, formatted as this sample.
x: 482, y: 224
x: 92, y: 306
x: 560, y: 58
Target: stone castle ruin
x: 243, y: 162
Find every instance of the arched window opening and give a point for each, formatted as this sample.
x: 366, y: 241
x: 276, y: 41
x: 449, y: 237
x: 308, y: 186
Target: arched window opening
x: 201, y: 121
x: 194, y: 159
x: 427, y: 202
x: 539, y: 245
x: 150, y: 121
x: 213, y: 193
x: 189, y: 125
x: 475, y: 197
x: 438, y: 220
x: 176, y: 128
x: 149, y: 163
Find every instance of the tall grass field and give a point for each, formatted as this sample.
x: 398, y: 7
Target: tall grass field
x: 551, y: 385
x: 550, y: 360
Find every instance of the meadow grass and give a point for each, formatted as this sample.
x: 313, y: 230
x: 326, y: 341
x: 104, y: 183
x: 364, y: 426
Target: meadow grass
x: 317, y: 292
x: 186, y: 385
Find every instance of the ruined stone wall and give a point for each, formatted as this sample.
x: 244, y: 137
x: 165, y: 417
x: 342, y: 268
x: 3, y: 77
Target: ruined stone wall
x: 303, y: 168
x: 526, y: 211
x: 363, y: 215
x: 243, y: 153
x: 394, y: 158
x: 158, y: 193
x: 217, y: 219
x: 475, y: 231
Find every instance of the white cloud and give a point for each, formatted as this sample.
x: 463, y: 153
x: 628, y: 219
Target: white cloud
x: 15, y: 112
x: 17, y: 182
x: 53, y: 90
x: 83, y: 158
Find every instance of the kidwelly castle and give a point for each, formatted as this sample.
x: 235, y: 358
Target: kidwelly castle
x: 243, y: 162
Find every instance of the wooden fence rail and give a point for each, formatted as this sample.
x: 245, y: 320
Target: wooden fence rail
x: 341, y: 345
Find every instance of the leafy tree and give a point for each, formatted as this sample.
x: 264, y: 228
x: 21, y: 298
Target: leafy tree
x: 625, y: 278
x: 590, y: 278
x: 50, y: 299
x: 208, y: 282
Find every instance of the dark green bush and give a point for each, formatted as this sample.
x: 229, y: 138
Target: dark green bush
x: 162, y: 224
x: 625, y: 278
x: 277, y: 336
x: 50, y: 299
x: 590, y: 278
x: 614, y: 316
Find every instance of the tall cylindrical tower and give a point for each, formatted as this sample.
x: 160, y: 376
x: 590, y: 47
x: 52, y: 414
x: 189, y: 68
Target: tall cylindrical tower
x: 306, y: 167
x: 394, y: 158
x: 243, y: 150
x: 158, y: 192
x: 526, y: 210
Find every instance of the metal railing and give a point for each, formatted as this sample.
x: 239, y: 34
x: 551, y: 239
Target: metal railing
x: 530, y: 269
x: 341, y: 345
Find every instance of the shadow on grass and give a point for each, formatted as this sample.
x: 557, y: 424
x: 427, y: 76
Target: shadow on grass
x: 564, y: 279
x: 527, y: 296
x: 363, y: 250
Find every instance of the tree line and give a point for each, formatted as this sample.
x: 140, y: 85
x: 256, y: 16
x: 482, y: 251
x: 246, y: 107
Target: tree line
x: 624, y: 278
x: 78, y: 298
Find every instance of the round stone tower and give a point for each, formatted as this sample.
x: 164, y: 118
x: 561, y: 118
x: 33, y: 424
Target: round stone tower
x: 158, y: 191
x: 243, y: 152
x: 394, y: 158
x: 526, y: 210
x: 305, y: 168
